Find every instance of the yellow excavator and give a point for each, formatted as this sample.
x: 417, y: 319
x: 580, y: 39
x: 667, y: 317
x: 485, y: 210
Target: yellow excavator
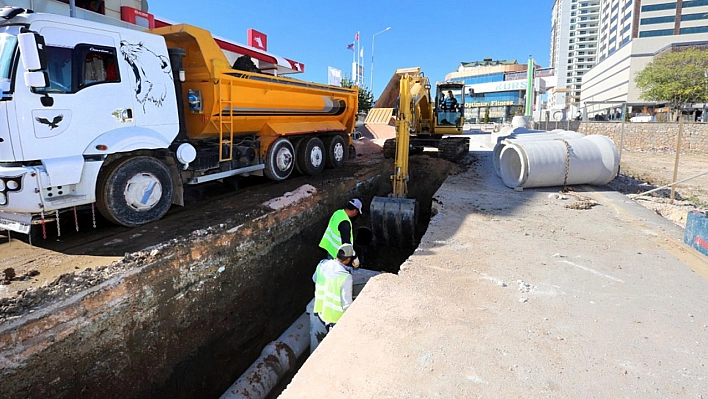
x: 421, y: 121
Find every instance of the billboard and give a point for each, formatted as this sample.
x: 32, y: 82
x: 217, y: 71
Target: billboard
x: 334, y: 76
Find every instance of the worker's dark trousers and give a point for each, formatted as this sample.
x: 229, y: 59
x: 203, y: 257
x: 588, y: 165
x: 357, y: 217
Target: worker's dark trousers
x: 318, y: 331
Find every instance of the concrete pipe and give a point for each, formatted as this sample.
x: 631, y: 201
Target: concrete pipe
x: 542, y: 163
x: 530, y: 135
x: 509, y: 131
x: 277, y: 359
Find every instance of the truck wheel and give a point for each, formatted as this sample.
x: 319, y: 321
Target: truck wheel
x: 336, y: 151
x: 310, y: 156
x: 134, y: 191
x: 280, y: 160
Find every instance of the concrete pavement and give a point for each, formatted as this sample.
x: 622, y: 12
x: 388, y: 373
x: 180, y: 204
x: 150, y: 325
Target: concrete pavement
x: 516, y: 294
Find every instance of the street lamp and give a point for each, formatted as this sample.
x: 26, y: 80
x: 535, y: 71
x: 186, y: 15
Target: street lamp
x: 373, y: 38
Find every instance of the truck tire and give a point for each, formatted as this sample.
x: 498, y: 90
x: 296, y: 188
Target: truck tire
x: 134, y: 191
x: 336, y: 151
x: 310, y: 156
x: 280, y: 160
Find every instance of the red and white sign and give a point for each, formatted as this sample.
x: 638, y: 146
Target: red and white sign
x: 137, y: 17
x: 298, y: 66
x: 257, y: 39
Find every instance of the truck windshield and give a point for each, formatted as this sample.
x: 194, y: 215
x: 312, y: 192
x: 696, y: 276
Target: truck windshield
x: 8, y: 44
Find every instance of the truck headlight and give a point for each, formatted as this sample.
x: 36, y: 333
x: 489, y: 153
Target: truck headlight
x: 3, y: 199
x: 2, y: 185
x: 13, y: 184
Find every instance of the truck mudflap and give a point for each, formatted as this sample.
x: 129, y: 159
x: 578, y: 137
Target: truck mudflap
x: 17, y: 222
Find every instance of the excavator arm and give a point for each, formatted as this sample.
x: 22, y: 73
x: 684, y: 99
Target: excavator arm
x: 394, y: 217
x: 415, y: 114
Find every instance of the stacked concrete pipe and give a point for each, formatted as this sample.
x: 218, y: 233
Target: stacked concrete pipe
x: 544, y: 163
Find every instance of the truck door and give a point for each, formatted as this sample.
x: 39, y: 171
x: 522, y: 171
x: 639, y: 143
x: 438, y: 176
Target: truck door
x: 87, y: 95
x: 151, y: 78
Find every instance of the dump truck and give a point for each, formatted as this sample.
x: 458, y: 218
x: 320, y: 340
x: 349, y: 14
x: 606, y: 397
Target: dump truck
x: 122, y: 120
x: 421, y: 121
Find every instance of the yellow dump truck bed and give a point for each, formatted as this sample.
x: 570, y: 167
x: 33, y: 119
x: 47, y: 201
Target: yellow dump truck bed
x: 245, y: 103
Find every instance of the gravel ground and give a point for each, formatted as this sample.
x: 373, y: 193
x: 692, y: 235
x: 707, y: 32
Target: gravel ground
x: 646, y: 170
x: 526, y: 294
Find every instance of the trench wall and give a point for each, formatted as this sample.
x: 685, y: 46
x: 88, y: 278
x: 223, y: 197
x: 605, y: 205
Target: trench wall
x: 169, y: 326
x: 650, y: 136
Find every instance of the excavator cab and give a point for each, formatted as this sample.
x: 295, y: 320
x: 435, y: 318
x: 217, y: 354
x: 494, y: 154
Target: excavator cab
x: 449, y: 105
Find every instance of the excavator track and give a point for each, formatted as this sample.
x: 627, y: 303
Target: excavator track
x: 454, y: 148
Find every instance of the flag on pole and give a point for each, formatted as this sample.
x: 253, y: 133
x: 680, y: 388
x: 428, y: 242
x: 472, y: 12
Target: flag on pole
x: 356, y: 37
x: 361, y: 53
x: 350, y: 47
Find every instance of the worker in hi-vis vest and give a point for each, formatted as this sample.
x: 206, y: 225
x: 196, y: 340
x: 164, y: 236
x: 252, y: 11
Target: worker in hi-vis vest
x: 339, y: 229
x: 333, y: 289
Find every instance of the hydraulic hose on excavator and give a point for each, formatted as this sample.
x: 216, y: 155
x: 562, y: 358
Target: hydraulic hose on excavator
x: 394, y: 218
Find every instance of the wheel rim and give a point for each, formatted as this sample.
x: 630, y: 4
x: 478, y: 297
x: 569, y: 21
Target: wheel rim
x: 338, y: 151
x: 283, y: 159
x: 143, y: 191
x: 316, y: 157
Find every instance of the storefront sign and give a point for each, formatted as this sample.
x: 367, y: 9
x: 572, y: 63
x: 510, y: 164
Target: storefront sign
x: 490, y: 104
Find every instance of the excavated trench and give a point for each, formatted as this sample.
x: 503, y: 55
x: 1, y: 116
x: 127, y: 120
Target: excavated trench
x: 187, y: 318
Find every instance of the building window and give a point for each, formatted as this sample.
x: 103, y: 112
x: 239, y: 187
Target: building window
x: 694, y: 17
x: 663, y: 6
x: 657, y: 20
x: 95, y: 6
x: 694, y: 29
x: 695, y: 3
x: 660, y: 32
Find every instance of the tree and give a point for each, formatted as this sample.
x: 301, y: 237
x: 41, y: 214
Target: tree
x: 366, y: 98
x: 676, y: 77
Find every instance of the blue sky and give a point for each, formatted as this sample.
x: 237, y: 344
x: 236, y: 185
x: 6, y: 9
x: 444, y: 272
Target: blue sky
x: 435, y: 35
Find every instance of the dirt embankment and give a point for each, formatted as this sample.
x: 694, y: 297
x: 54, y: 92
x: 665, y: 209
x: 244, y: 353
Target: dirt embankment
x: 642, y: 171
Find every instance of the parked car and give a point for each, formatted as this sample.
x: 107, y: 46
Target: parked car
x: 643, y: 118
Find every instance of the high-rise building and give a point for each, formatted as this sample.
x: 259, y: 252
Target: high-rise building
x: 574, y: 32
x: 631, y: 33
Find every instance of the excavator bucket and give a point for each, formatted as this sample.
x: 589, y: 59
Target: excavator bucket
x: 394, y: 220
x: 379, y: 116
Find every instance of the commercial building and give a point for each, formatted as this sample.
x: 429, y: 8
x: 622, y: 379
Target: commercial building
x: 495, y: 90
x: 574, y: 33
x: 631, y: 33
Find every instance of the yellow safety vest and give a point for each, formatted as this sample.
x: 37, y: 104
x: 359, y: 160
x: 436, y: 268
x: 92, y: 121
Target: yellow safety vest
x: 328, y: 296
x: 331, y: 240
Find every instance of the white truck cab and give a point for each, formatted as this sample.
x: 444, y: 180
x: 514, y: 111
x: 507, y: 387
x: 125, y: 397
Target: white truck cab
x: 76, y: 97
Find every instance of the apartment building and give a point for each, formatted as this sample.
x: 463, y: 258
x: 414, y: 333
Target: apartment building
x: 631, y: 33
x: 574, y: 33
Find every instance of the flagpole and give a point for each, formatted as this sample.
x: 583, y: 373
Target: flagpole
x: 353, y: 66
x: 357, y: 58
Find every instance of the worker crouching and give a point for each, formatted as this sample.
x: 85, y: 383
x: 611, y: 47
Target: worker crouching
x: 333, y: 290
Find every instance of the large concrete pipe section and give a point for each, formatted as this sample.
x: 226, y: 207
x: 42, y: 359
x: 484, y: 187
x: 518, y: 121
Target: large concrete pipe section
x: 542, y: 163
x: 531, y: 135
x: 277, y: 359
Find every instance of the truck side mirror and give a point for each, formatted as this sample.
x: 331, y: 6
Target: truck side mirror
x: 34, y: 59
x: 32, y: 51
x: 36, y: 79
